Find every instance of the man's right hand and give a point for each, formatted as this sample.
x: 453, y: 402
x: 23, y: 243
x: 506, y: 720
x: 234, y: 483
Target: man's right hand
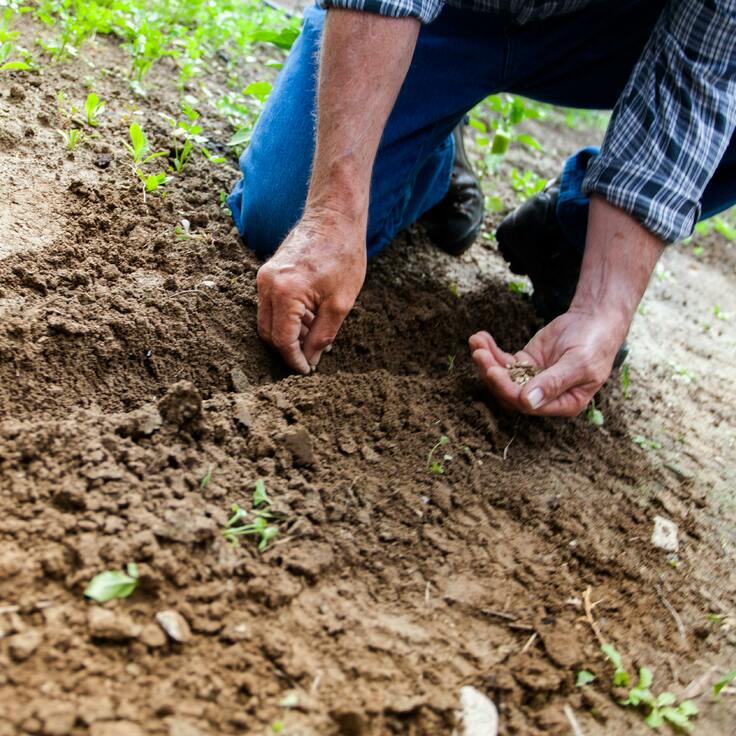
x: 307, y: 288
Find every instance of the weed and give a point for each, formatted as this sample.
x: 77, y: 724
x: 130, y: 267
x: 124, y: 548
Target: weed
x: 93, y: 107
x: 594, y: 415
x: 262, y: 526
x: 435, y: 466
x: 113, y: 584
x: 450, y: 363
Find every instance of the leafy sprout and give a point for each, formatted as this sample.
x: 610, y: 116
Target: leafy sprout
x: 72, y: 137
x: 139, y: 146
x: 93, y: 107
x: 113, y: 584
x: 435, y: 466
x: 262, y: 526
x: 594, y: 415
x: 584, y: 677
x: 723, y: 682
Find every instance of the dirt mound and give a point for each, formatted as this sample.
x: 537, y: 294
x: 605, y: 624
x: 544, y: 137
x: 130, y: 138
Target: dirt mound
x: 138, y: 406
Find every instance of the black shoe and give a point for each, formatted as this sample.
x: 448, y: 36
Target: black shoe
x: 532, y: 242
x: 453, y: 223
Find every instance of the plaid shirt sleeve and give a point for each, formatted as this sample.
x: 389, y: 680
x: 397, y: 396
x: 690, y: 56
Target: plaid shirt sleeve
x: 425, y: 10
x: 674, y: 119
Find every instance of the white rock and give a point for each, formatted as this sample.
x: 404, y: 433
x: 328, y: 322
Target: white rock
x: 175, y: 625
x: 664, y: 535
x: 478, y: 716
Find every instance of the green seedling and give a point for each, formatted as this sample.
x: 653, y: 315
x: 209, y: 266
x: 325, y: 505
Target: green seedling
x: 660, y: 708
x: 594, y: 415
x: 620, y: 675
x: 152, y: 182
x: 526, y: 184
x: 72, y: 137
x: 435, y: 466
x: 682, y: 374
x: 625, y: 380
x: 450, y: 363
x: 206, y: 479
x: 262, y: 526
x: 646, y: 444
x: 724, y: 682
x: 113, y: 584
x: 518, y: 287
x: 213, y: 159
x: 139, y: 147
x: 584, y: 677
x: 93, y: 107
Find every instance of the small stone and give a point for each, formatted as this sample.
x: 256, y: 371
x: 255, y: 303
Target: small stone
x: 115, y: 728
x: 369, y: 454
x: 11, y: 562
x: 175, y: 625
x: 479, y: 715
x: 152, y: 636
x: 664, y: 535
x: 21, y: 646
x: 102, y: 161
x: 235, y: 633
x: 242, y: 414
x: 181, y: 404
x: 110, y: 625
x: 299, y: 444
x: 239, y: 381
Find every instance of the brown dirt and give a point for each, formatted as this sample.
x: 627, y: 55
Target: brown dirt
x: 130, y: 367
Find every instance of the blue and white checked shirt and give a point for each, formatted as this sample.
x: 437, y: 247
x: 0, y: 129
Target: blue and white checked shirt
x: 674, y: 119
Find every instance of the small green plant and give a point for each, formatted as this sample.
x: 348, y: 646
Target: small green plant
x: 139, y: 146
x: 724, y: 682
x: 519, y: 287
x: 594, y: 415
x: 659, y: 709
x: 206, y: 479
x: 646, y: 444
x: 451, y: 363
x: 584, y: 677
x: 625, y: 380
x: 72, y: 137
x: 620, y: 675
x: 263, y: 525
x: 113, y: 584
x: 435, y: 466
x: 526, y: 184
x: 93, y: 107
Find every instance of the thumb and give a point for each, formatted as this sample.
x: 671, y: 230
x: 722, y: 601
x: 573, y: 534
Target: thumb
x: 552, y: 383
x: 322, y: 332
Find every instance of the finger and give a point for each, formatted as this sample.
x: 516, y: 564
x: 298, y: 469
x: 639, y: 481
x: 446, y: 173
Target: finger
x: 265, y: 312
x: 308, y: 318
x: 499, y: 383
x: 485, y: 361
x: 323, y: 332
x: 555, y: 382
x: 484, y: 341
x: 286, y: 327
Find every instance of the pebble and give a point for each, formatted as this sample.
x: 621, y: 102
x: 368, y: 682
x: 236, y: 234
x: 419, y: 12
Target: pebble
x: 239, y: 380
x: 664, y: 535
x: 21, y: 646
x: 479, y: 716
x: 152, y: 636
x: 175, y: 625
x: 110, y: 625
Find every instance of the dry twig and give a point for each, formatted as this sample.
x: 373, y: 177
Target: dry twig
x: 673, y: 613
x: 589, y: 606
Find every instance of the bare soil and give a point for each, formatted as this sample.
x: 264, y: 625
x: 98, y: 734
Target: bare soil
x: 130, y: 367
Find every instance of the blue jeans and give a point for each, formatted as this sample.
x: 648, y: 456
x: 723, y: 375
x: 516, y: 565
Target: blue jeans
x: 578, y: 60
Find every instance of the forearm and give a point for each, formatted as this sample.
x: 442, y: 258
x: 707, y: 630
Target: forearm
x: 620, y: 256
x: 364, y: 60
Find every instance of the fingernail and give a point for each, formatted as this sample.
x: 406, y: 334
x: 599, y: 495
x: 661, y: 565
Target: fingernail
x: 328, y: 348
x: 535, y: 397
